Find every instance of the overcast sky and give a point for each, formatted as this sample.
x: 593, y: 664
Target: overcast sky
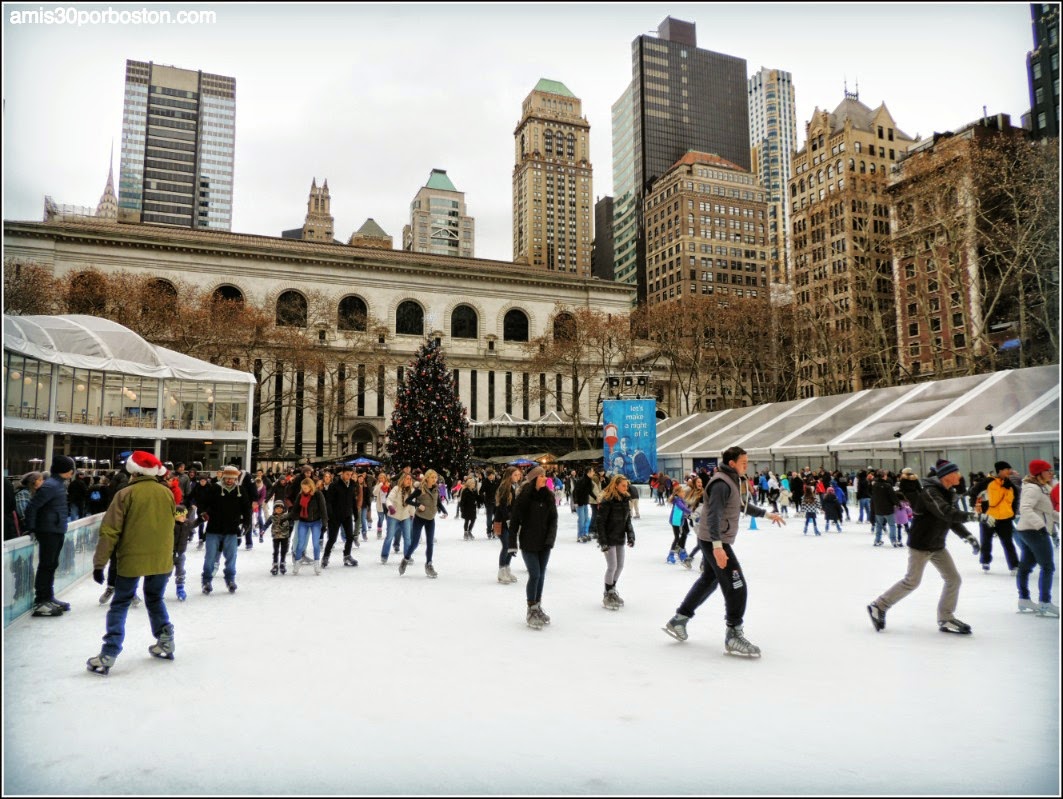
x: 373, y: 97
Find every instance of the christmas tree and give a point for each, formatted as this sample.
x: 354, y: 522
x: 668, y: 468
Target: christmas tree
x: 429, y: 427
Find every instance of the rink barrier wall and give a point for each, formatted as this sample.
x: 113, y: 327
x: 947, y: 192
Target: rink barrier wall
x: 20, y: 565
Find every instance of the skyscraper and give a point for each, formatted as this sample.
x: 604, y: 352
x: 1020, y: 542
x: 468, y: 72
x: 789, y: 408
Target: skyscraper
x: 772, y: 141
x: 178, y: 139
x: 439, y: 222
x: 1042, y: 65
x: 682, y: 98
x: 552, y: 182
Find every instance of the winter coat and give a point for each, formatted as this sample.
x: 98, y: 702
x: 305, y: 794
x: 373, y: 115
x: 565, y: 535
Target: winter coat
x: 429, y: 498
x: 139, y: 529
x: 909, y: 488
x: 281, y: 526
x: 47, y: 511
x: 468, y: 502
x: 612, y: 525
x: 226, y: 510
x: 1035, y: 507
x: 810, y: 505
x: 1000, y: 495
x: 182, y: 531
x: 402, y: 511
x: 316, y: 509
x: 77, y: 495
x: 832, y: 508
x: 883, y: 498
x: 723, y: 507
x: 935, y: 514
x: 581, y: 491
x: 534, y: 518
x: 380, y: 495
x: 903, y: 514
x: 342, y: 499
x: 488, y: 489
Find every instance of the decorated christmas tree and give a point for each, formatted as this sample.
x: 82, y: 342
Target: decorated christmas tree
x: 429, y: 428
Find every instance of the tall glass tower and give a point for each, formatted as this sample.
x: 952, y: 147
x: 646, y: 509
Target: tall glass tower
x: 178, y: 143
x: 772, y: 140
x: 682, y: 99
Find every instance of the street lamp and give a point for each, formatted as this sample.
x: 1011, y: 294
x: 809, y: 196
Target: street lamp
x: 900, y: 446
x: 992, y: 441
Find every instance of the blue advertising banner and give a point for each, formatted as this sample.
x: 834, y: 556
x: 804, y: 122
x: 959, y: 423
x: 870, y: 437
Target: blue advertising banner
x: 629, y: 432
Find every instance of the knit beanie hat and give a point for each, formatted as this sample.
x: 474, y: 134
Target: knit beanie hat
x: 61, y: 464
x: 1001, y: 465
x: 1038, y: 466
x: 279, y: 504
x: 534, y: 474
x: 946, y: 467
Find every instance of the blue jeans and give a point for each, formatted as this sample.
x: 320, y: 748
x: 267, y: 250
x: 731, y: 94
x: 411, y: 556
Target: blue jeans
x: 880, y: 524
x: 365, y: 520
x: 228, y: 545
x: 72, y: 513
x: 865, y: 507
x: 536, y: 563
x: 396, y: 528
x: 811, y: 517
x: 504, y: 557
x: 124, y: 590
x: 583, y: 520
x: 1036, y: 547
x: 489, y: 512
x: 304, y: 530
x: 429, y: 527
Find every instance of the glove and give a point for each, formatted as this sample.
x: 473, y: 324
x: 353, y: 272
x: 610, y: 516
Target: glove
x: 391, y: 510
x: 631, y: 542
x: 974, y: 546
x: 1055, y: 540
x: 97, y: 575
x: 605, y: 547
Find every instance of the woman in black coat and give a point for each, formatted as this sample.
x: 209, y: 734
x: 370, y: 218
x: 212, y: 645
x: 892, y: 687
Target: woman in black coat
x: 534, y: 518
x: 613, y: 528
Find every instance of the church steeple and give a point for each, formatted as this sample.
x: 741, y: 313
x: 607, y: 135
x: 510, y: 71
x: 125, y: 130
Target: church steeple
x: 318, y: 224
x: 108, y: 205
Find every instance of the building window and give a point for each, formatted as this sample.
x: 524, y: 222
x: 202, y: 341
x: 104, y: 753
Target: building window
x: 913, y: 329
x: 409, y: 319
x: 464, y: 322
x: 291, y: 310
x: 352, y: 314
x: 515, y: 326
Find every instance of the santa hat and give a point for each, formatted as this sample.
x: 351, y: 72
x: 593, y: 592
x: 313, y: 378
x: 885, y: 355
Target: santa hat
x: 141, y: 462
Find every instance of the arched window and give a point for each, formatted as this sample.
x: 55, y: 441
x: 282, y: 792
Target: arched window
x: 409, y: 319
x: 548, y: 142
x: 515, y: 326
x: 230, y: 293
x: 564, y: 327
x: 352, y: 314
x: 464, y: 323
x: 570, y: 146
x: 872, y: 168
x: 863, y: 168
x: 522, y: 147
x: 291, y: 309
x: 163, y: 287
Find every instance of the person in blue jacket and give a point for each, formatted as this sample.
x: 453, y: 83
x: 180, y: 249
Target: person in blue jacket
x: 47, y: 515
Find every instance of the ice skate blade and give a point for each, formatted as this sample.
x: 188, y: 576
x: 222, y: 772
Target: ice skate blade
x: 673, y: 634
x: 162, y: 656
x: 743, y: 654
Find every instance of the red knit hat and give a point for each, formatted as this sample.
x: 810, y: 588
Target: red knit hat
x: 141, y: 462
x: 1038, y: 466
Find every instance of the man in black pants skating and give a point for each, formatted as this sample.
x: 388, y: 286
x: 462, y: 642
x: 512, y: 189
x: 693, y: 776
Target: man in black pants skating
x: 716, y: 535
x: 342, y: 502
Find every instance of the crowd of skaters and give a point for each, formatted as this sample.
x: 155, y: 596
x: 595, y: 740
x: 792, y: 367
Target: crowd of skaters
x: 309, y: 509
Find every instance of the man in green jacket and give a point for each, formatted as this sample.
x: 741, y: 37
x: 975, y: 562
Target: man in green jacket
x: 138, y: 528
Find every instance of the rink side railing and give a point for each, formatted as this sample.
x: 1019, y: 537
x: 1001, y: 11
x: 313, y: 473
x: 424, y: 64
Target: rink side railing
x: 20, y: 565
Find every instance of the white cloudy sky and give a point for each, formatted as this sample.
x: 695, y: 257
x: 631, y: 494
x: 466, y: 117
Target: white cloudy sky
x: 373, y: 97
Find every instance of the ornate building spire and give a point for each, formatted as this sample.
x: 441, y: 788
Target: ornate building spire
x: 108, y: 205
x: 318, y: 224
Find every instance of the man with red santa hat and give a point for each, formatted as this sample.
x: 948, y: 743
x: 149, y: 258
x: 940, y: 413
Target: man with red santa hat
x: 138, y: 528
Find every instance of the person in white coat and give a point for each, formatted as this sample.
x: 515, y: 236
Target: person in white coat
x: 1036, y: 518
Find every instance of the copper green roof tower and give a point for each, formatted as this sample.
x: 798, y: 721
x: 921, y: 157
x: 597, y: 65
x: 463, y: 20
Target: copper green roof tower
x: 439, y: 222
x: 552, y: 182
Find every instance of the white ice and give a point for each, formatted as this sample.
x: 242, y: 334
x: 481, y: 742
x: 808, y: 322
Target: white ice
x: 360, y: 681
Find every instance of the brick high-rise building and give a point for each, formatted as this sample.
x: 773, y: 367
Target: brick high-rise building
x: 680, y: 98
x: 840, y: 232
x: 706, y: 231
x: 178, y: 144
x: 957, y: 298
x: 772, y: 141
x: 552, y: 182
